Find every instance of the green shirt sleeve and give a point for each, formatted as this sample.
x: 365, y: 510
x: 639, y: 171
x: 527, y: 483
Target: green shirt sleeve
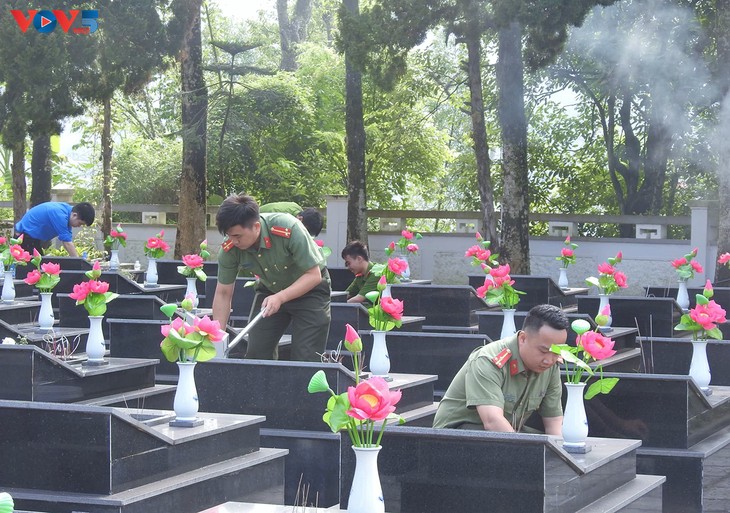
x: 552, y: 405
x: 484, y: 383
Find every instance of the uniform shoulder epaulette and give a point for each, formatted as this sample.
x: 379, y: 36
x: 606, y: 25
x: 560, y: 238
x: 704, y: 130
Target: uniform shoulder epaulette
x: 227, y: 245
x: 502, y: 358
x: 280, y: 231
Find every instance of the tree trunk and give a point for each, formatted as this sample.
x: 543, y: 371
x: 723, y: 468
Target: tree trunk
x: 40, y: 169
x: 722, y: 272
x: 191, y: 225
x: 355, y: 134
x: 106, y: 159
x: 20, y: 189
x: 479, y: 136
x: 292, y: 32
x: 515, y: 244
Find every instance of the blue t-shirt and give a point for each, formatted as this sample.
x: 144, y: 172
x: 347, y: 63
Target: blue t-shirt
x: 46, y: 221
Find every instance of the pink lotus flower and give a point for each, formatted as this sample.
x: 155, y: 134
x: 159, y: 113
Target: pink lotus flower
x: 178, y: 324
x: 605, y: 268
x: 4, y: 241
x: 98, y: 287
x: 353, y: 343
x: 162, y: 233
x: 708, y: 286
x: 372, y: 400
x: 705, y: 315
x: 679, y: 262
x: 19, y: 254
x: 412, y: 248
x: 33, y: 277
x: 694, y: 252
x: 696, y: 266
x: 503, y: 280
x: 724, y: 258
x: 397, y: 266
x: 406, y: 234
x: 36, y: 254
x: 482, y: 291
x: 567, y: 252
x: 393, y: 307
x: 51, y: 268
x: 391, y: 246
x: 319, y: 242
x: 483, y: 254
x: 382, y: 282
x: 210, y: 328
x: 81, y: 290
x: 596, y: 345
x: 153, y: 243
x: 193, y: 261
x: 500, y: 271
x: 620, y: 279
x: 478, y: 236
x: 96, y: 266
x: 473, y: 251
x: 619, y: 257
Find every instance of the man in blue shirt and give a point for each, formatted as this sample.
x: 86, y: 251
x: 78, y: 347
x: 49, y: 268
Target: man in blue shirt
x: 51, y: 219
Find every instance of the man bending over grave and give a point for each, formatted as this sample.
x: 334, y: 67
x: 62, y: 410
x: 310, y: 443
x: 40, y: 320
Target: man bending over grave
x: 310, y: 217
x: 51, y: 219
x: 357, y: 260
x: 503, y: 383
x: 292, y: 284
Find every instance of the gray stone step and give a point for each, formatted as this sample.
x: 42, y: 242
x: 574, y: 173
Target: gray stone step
x: 642, y: 494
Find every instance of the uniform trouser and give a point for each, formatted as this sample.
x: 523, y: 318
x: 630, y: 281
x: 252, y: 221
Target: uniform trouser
x: 309, y: 316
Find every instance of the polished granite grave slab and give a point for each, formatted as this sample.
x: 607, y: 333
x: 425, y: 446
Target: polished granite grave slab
x: 140, y: 338
x: 435, y: 470
x: 21, y: 311
x: 653, y: 316
x: 721, y: 294
x: 28, y: 373
x: 125, y: 306
x: 167, y: 273
x: 117, y: 283
x: 446, y: 307
x: 539, y: 290
x: 441, y: 354
x: 356, y: 315
x: 663, y: 355
x: 46, y: 339
x: 67, y: 263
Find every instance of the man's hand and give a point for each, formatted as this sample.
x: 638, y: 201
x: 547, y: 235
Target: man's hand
x: 70, y: 248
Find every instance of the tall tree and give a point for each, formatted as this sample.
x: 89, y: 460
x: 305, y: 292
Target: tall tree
x: 292, y: 30
x: 191, y: 228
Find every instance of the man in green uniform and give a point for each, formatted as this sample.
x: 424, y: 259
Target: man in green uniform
x: 503, y: 383
x: 293, y: 284
x: 310, y: 217
x: 357, y: 260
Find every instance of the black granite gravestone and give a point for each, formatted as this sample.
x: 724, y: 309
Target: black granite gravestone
x: 447, y: 308
x: 138, y: 338
x: 67, y: 264
x: 539, y: 290
x: 721, y: 295
x: 241, y: 304
x: 356, y: 315
x: 654, y: 317
x: 426, y: 470
x: 341, y: 277
x: 663, y: 355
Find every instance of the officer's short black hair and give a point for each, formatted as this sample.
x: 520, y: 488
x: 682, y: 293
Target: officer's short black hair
x: 312, y: 221
x: 355, y: 249
x: 237, y: 209
x: 540, y: 315
x: 85, y: 212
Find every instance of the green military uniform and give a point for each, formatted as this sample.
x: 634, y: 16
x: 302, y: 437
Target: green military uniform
x: 364, y: 283
x: 281, y: 207
x: 284, y: 253
x: 494, y: 375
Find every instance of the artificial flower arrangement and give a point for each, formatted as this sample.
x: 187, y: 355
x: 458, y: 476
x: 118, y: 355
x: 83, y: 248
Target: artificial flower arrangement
x: 93, y: 294
x: 194, y: 263
x: 405, y: 244
x: 386, y: 312
x: 326, y: 251
x: 686, y: 266
x: 609, y: 279
x: 12, y: 253
x: 567, y: 253
x: 184, y: 342
x: 392, y: 271
x: 498, y: 289
x: 702, y: 320
x: 724, y: 259
x: 155, y: 247
x: 116, y: 238
x: 481, y: 255
x: 589, y: 346
x: 358, y: 409
x: 44, y: 276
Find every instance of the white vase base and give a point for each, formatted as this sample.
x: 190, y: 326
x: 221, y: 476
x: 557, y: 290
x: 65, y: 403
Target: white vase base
x: 385, y: 377
x: 95, y: 363
x: 187, y: 423
x: 707, y: 391
x: 605, y: 329
x: 151, y: 285
x: 580, y: 448
x: 8, y: 301
x: 38, y: 329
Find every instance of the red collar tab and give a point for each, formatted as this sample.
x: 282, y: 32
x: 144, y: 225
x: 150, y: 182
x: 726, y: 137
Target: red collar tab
x: 267, y: 242
x: 502, y: 358
x: 280, y: 231
x: 514, y: 367
x: 227, y: 245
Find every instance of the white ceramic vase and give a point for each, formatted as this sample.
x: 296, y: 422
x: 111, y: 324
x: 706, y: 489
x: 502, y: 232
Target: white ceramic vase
x: 563, y: 278
x: 683, y: 295
x: 150, y: 278
x: 114, y: 260
x: 45, y: 314
x: 192, y: 291
x: 366, y: 494
x: 95, y: 347
x: 699, y: 368
x: 386, y: 291
x: 8, y: 293
x: 379, y: 358
x: 575, y: 422
x: 186, y: 395
x: 508, y: 323
x: 603, y: 302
